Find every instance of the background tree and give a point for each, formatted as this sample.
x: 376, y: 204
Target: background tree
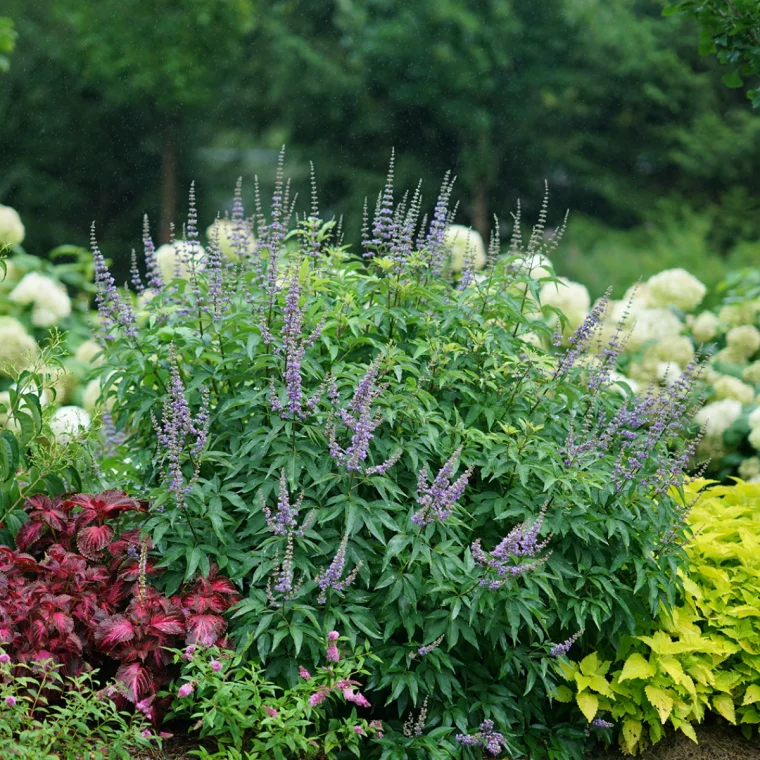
x: 731, y: 31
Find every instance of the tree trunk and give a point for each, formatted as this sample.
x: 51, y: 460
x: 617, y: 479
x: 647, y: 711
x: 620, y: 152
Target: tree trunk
x: 480, y: 220
x: 168, y: 181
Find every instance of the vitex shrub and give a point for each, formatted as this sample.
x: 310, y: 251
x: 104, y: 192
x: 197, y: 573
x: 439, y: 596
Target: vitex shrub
x: 359, y: 441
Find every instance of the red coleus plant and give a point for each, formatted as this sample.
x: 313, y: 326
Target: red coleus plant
x: 80, y: 609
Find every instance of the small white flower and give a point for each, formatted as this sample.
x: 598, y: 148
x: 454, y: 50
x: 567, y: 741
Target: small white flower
x: 749, y: 468
x: 225, y: 229
x: 11, y: 228
x: 676, y: 287
x: 734, y: 314
x: 751, y: 373
x: 459, y: 240
x: 668, y: 372
x: 68, y: 422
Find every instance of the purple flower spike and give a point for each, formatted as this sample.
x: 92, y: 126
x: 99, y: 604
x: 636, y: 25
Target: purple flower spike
x: 438, y: 499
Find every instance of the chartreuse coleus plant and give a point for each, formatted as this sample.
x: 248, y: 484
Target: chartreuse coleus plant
x: 360, y: 444
x: 704, y: 654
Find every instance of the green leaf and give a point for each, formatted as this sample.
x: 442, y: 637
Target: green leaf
x: 723, y: 704
x: 660, y: 700
x: 733, y: 80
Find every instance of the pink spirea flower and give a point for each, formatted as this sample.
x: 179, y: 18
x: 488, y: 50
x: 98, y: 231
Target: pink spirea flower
x: 4, y: 658
x: 317, y: 698
x: 270, y: 711
x: 348, y: 693
x: 189, y: 651
x: 146, y: 734
x: 304, y: 673
x: 360, y: 700
x: 185, y: 690
x: 359, y: 730
x: 333, y: 636
x: 143, y: 706
x: 332, y: 653
x: 216, y: 666
x: 10, y: 701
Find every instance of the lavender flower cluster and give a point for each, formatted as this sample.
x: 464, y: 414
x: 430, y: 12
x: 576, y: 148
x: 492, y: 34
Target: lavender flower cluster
x: 330, y: 579
x: 562, y: 649
x: 521, y: 541
x: 648, y: 432
x: 359, y: 418
x: 437, y: 500
x: 181, y: 435
x: 284, y: 521
x: 491, y: 741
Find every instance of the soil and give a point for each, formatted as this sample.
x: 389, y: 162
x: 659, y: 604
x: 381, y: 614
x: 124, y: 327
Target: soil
x: 717, y: 741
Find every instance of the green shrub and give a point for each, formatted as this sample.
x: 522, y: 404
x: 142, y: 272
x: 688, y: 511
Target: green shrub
x: 253, y: 718
x: 85, y: 723
x: 704, y: 654
x: 287, y: 410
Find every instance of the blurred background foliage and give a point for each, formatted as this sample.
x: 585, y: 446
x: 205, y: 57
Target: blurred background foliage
x: 109, y: 109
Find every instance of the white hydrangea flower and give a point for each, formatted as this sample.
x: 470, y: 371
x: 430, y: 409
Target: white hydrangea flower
x: 616, y: 380
x: 733, y: 388
x: 458, y: 240
x: 705, y: 327
x: 749, y: 468
x: 12, y: 230
x: 87, y: 351
x: 69, y: 422
x: 17, y: 347
x: 735, y: 314
x: 751, y: 373
x: 676, y: 287
x: 668, y: 372
x: 754, y: 418
x: 754, y: 438
x: 743, y: 340
x: 50, y: 299
x: 653, y: 324
x: 675, y: 348
x: 91, y: 397
x: 718, y: 416
x: 728, y: 355
x: 571, y: 298
x: 535, y: 266
x: 226, y: 231
x: 172, y: 260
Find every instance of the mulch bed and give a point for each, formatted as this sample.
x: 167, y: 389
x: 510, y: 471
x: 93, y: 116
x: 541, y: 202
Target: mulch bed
x: 717, y: 741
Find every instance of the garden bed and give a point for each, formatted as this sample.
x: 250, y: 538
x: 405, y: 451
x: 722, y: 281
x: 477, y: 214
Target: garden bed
x: 716, y: 742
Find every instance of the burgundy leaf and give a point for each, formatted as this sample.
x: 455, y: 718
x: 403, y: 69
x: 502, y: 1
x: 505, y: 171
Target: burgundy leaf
x: 204, y: 629
x: 114, y: 630
x: 170, y: 623
x: 137, y: 681
x: 29, y: 533
x: 94, y: 539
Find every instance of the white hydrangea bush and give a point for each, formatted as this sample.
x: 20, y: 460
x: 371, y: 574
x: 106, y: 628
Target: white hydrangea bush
x: 44, y: 301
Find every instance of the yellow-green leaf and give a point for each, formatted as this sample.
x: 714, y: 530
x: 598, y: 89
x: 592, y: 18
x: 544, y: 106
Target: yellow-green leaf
x: 599, y: 683
x: 563, y: 694
x: 589, y: 664
x: 725, y: 706
x: 630, y: 735
x: 589, y: 704
x: 661, y: 700
x: 672, y: 667
x: 752, y: 694
x: 688, y: 730
x: 636, y: 667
